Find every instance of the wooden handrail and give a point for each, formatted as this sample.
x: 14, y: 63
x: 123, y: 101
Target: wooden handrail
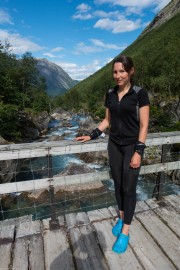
x: 46, y: 183
x: 54, y: 148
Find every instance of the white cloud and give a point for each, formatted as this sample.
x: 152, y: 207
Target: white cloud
x: 81, y: 12
x: 49, y: 55
x: 103, y: 14
x: 118, y: 26
x: 137, y: 4
x: 96, y: 46
x: 83, y: 8
x: 57, y: 49
x: 106, y: 46
x: 108, y: 60
x: 5, y: 18
x: 67, y: 65
x: 19, y: 44
x: 82, y: 16
x: 127, y: 3
x: 52, y: 53
x: 81, y: 47
x: 161, y: 4
x: 134, y: 10
x: 97, y: 13
x: 80, y: 72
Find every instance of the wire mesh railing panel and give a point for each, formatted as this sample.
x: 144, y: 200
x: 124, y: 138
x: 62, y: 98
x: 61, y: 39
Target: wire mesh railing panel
x: 55, y: 185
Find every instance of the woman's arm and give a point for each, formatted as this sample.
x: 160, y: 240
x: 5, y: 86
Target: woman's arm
x: 106, y: 121
x: 144, y: 122
x: 102, y: 126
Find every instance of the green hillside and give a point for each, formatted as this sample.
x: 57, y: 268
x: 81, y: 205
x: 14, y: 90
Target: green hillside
x: 156, y: 60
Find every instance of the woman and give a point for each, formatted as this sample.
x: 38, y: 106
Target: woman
x: 127, y: 114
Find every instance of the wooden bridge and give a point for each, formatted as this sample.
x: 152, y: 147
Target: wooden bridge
x: 84, y: 241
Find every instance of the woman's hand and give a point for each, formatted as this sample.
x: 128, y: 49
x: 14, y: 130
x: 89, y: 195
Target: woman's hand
x: 83, y: 138
x: 135, y: 161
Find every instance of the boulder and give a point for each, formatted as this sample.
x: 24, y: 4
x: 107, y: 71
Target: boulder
x: 32, y: 125
x: 82, y: 187
x: 152, y: 155
x: 8, y: 200
x: 86, y: 122
x: 3, y: 141
x: 86, y: 126
x: 55, y: 138
x: 8, y: 170
x: 176, y: 177
x: 41, y: 121
x: 66, y: 123
x: 174, y: 110
x: 74, y: 168
x: 31, y: 133
x: 61, y: 114
x: 100, y: 157
x: 82, y: 112
x: 41, y: 195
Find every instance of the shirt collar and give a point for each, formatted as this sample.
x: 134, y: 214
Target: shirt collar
x: 129, y: 91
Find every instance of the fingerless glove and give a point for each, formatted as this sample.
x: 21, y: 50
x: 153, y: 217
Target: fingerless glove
x: 95, y: 133
x: 139, y: 147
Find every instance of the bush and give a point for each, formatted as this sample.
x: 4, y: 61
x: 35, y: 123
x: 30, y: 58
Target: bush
x: 9, y: 121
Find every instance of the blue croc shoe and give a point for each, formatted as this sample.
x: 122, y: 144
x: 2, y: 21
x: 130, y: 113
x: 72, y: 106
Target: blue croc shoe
x: 116, y: 230
x: 121, y: 243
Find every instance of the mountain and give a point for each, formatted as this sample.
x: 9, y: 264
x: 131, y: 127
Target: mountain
x: 155, y: 55
x: 164, y: 15
x: 57, y: 80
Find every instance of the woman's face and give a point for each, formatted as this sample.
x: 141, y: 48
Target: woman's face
x: 120, y: 75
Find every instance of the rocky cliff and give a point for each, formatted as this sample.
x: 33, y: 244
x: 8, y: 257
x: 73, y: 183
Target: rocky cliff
x: 164, y: 15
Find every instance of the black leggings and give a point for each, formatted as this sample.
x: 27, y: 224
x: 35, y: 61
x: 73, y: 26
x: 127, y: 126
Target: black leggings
x: 125, y: 178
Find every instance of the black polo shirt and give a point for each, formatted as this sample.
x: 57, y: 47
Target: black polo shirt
x: 125, y: 126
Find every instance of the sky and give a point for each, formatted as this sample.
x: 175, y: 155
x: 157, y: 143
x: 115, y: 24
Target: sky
x: 79, y: 36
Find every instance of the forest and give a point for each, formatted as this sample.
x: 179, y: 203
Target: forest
x: 22, y: 91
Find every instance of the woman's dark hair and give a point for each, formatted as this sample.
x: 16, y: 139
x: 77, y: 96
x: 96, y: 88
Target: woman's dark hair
x: 125, y: 60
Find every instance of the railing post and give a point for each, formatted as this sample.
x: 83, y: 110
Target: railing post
x: 160, y: 181
x: 53, y: 223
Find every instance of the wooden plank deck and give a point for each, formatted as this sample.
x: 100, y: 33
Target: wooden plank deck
x: 84, y: 240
